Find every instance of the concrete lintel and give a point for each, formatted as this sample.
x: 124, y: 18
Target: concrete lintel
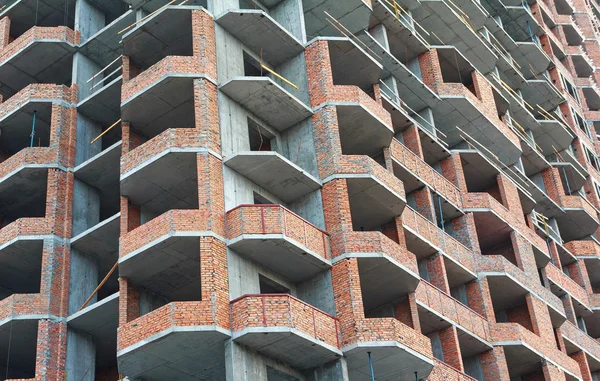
x: 275, y: 173
x: 267, y: 100
x: 260, y: 32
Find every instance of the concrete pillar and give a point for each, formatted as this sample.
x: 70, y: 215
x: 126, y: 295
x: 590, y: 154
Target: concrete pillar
x: 84, y: 69
x: 379, y: 33
x: 86, y: 207
x: 87, y: 130
x: 88, y: 19
x: 83, y: 280
x: 318, y: 291
x: 290, y: 14
x: 81, y: 356
x: 333, y: 371
x: 243, y: 364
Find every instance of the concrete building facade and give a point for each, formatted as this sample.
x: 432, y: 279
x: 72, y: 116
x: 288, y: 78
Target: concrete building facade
x: 299, y: 190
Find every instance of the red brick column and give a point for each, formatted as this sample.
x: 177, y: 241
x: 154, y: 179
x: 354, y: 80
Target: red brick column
x: 412, y: 140
x: 510, y: 197
x: 348, y: 299
x: 524, y: 255
x: 493, y: 364
x: 451, y: 348
x: 336, y: 209
x: 437, y: 272
x: 407, y: 312
x: 425, y: 203
x: 130, y: 216
x: 452, y: 170
x: 431, y: 70
x: 4, y: 32
x: 584, y: 366
x: 129, y: 302
x: 214, y: 279
x: 552, y: 373
x: 480, y: 300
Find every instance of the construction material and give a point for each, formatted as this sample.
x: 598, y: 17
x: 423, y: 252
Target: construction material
x: 105, y: 131
x: 112, y: 270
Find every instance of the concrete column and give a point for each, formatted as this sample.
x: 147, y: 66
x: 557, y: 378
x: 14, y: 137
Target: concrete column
x: 81, y: 356
x: 243, y: 364
x: 379, y: 33
x: 87, y: 130
x: 290, y: 14
x: 318, y: 291
x: 86, y: 207
x: 84, y: 69
x: 88, y: 19
x: 333, y: 371
x: 83, y: 280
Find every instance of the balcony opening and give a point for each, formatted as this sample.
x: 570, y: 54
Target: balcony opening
x: 455, y: 69
x: 503, y: 247
x: 252, y: 67
x: 269, y: 286
x: 276, y: 375
x: 21, y: 268
x: 19, y: 344
x: 511, y: 309
x: 261, y: 200
x: 47, y: 16
x: 23, y: 195
x: 259, y: 138
x: 17, y: 130
x: 473, y: 367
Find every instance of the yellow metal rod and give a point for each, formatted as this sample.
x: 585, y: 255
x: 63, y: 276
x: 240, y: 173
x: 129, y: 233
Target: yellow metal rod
x: 279, y: 76
x: 105, y: 131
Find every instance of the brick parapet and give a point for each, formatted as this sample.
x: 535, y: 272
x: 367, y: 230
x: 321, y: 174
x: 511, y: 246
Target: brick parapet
x: 440, y: 239
x: 37, y: 92
x: 443, y: 303
x: 35, y: 156
x: 276, y: 219
x: 580, y: 338
x: 29, y: 226
x: 283, y: 310
x: 567, y: 284
x: 425, y: 173
x: 445, y: 372
x: 39, y: 34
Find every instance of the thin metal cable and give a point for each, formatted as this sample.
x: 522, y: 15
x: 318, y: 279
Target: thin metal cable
x: 8, y: 353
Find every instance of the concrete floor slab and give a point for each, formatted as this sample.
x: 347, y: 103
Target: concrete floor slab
x: 275, y: 173
x: 267, y: 100
x: 531, y: 58
x: 167, y: 181
x: 287, y: 345
x: 261, y: 33
x: 100, y: 241
x: 391, y: 361
x: 353, y: 14
x: 198, y: 354
x: 165, y: 33
x: 583, y: 66
x: 551, y: 133
x: 520, y: 23
x: 576, y: 224
x: 361, y: 131
x: 104, y: 104
x: 167, y: 103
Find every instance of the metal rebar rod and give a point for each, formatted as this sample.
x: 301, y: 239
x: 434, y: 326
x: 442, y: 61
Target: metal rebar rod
x: 371, y: 366
x: 33, y: 128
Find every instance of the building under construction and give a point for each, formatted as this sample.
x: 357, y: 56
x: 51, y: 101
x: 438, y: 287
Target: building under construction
x: 299, y: 190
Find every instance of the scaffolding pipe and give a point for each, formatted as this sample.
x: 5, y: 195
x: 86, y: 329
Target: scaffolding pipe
x: 442, y: 222
x: 112, y: 270
x: 371, y: 367
x: 33, y: 128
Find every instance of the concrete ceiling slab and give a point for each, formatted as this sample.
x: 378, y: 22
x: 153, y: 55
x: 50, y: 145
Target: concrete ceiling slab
x: 352, y: 65
x: 16, y: 127
x: 23, y: 14
x: 519, y: 21
x: 153, y: 5
x: 21, y: 265
x: 414, y: 92
x: 287, y: 345
x: 533, y: 160
x: 391, y: 362
x: 169, y: 266
x: 491, y: 229
x: 576, y: 224
x: 261, y: 33
x: 23, y: 193
x: 284, y: 255
x: 165, y: 33
x: 104, y: 105
x: 383, y: 280
x: 105, y: 45
x: 372, y: 203
x: 185, y: 353
x: 583, y: 66
x: 530, y: 56
x: 169, y: 181
x: 457, y: 273
x: 353, y: 14
x: 551, y: 133
x: 521, y: 360
x: 543, y: 93
x: 168, y: 103
x: 41, y: 61
x: 575, y: 178
x: 418, y: 245
x: 275, y: 173
x: 100, y: 241
x: 505, y: 292
x: 592, y: 97
x: 267, y: 100
x: 102, y: 172
x: 479, y: 172
x: 361, y: 132
x: 23, y: 348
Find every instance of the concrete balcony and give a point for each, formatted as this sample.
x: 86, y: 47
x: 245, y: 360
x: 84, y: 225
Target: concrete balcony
x: 21, y: 251
x: 580, y: 219
x: 278, y: 239
x: 387, y: 272
x: 268, y: 100
x: 103, y: 105
x: 285, y: 328
x: 509, y: 283
x: 520, y: 21
x: 423, y: 238
x: 105, y: 45
x: 102, y: 172
x: 524, y: 350
x: 414, y: 171
x: 576, y: 340
x: 40, y: 55
x: 591, y: 92
x: 101, y: 321
x: 581, y: 61
x: 541, y: 92
x: 16, y: 115
x: 101, y: 241
x: 447, y: 23
x: 552, y: 133
x: 162, y: 96
x: 443, y: 371
x: 376, y: 195
x: 353, y: 14
x: 19, y: 319
x: 162, y: 173
x: 163, y: 255
x: 23, y: 182
x: 275, y: 173
x: 397, y: 350
x: 561, y: 284
x: 178, y: 341
x: 438, y: 310
x: 261, y: 33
